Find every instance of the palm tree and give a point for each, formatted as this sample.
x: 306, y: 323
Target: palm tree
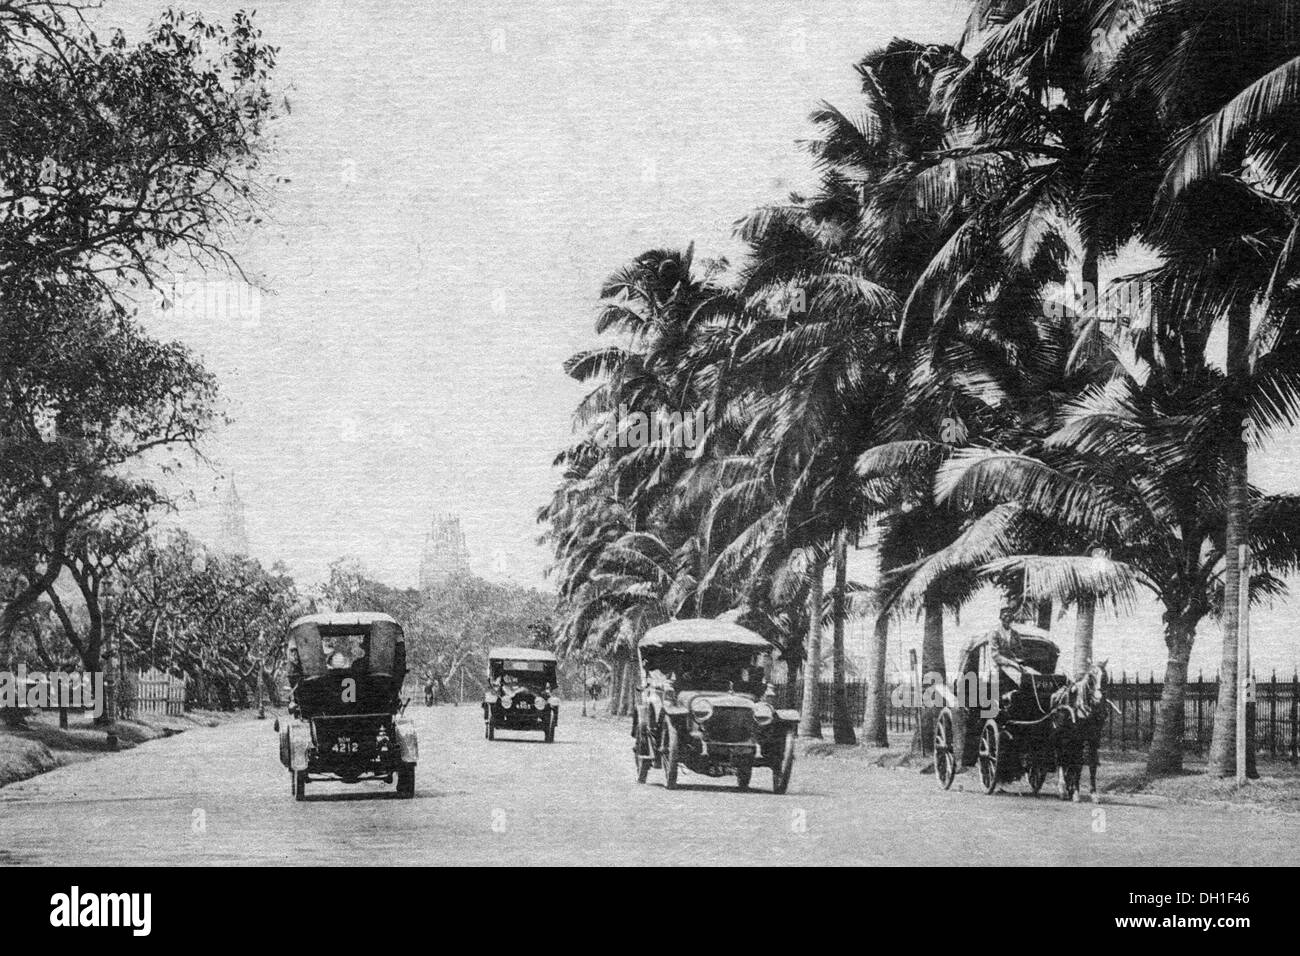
x: 1132, y: 470
x: 1221, y: 85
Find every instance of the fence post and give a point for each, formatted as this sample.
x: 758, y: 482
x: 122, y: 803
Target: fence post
x: 1200, y: 709
x: 1272, y: 715
x: 1151, y: 704
x: 1295, y: 699
x: 1123, y: 712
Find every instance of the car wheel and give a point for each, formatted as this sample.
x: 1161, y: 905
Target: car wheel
x: 782, y: 771
x: 744, y: 773
x: 643, y: 754
x: 669, y: 754
x: 406, y: 781
x: 489, y: 732
x: 300, y: 784
x: 550, y: 730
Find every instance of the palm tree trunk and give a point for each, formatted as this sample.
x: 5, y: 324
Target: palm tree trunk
x: 629, y: 688
x: 615, y: 685
x: 840, y: 719
x: 810, y: 720
x: 874, y: 725
x: 1223, y: 745
x: 1085, y: 619
x: 933, y: 670
x: 1166, y: 755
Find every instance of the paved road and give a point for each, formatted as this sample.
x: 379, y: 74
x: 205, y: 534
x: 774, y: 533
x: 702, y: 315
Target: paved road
x: 219, y: 796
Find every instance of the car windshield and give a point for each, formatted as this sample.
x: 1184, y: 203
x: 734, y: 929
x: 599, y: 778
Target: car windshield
x: 691, y: 672
x: 527, y: 673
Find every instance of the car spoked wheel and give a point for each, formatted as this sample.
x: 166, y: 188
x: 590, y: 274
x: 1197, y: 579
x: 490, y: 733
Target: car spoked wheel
x: 668, y: 751
x: 643, y: 754
x: 945, y: 762
x: 784, y: 767
x: 988, y: 756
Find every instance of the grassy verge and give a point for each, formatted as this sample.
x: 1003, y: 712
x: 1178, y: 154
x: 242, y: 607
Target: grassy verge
x: 1119, y: 775
x: 41, y: 746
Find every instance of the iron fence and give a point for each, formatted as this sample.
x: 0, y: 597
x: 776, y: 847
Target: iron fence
x: 1131, y: 727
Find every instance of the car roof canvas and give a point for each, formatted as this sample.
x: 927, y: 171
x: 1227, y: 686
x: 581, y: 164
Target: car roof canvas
x: 520, y: 654
x: 698, y: 632
x: 343, y: 619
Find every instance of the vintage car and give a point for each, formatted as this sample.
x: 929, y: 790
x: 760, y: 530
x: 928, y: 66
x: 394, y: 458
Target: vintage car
x: 996, y: 713
x: 523, y: 692
x: 345, y: 678
x: 705, y: 705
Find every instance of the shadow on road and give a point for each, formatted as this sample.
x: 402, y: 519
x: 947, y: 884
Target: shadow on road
x: 372, y: 795
x: 531, y: 740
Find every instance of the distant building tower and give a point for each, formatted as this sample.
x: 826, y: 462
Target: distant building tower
x: 444, y: 553
x: 233, y: 537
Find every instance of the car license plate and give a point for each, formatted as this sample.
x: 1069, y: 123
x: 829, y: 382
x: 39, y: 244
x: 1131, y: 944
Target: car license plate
x: 344, y: 745
x: 524, y: 705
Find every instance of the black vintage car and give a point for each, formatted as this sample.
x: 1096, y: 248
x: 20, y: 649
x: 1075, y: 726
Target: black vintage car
x: 345, y: 677
x: 996, y: 712
x: 523, y: 692
x: 705, y: 705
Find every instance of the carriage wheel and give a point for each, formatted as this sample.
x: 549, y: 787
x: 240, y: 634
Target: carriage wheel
x: 988, y: 755
x: 945, y: 762
x: 1037, y: 776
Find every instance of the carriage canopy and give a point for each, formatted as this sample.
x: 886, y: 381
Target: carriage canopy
x: 1037, y: 650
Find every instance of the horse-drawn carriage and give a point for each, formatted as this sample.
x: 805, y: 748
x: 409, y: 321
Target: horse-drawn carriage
x: 998, y: 712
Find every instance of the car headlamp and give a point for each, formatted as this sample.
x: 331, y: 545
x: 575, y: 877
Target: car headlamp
x: 506, y: 701
x: 701, y: 709
x: 763, y: 714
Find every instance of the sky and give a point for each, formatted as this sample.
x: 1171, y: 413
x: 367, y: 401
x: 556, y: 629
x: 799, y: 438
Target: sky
x: 462, y: 176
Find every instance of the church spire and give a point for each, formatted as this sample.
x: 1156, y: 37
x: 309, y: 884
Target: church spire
x: 233, y: 536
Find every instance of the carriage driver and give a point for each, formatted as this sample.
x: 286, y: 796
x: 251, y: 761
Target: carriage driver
x: 1006, y: 642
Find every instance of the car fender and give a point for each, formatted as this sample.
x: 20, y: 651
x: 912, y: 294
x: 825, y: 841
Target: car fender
x: 642, y: 716
x: 407, y: 744
x: 674, y: 712
x: 298, y: 736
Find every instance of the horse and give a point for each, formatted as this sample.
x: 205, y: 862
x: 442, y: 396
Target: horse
x: 1079, y: 712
